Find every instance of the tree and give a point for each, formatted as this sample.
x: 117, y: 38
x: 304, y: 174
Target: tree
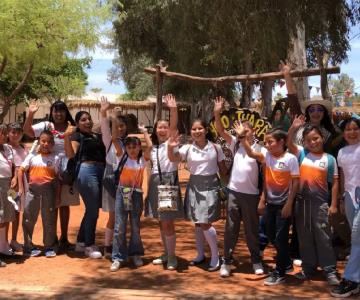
x: 213, y: 38
x: 342, y: 85
x: 40, y: 34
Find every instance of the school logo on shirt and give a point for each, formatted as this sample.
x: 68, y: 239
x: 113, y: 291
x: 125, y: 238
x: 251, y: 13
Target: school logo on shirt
x: 322, y: 164
x: 281, y: 165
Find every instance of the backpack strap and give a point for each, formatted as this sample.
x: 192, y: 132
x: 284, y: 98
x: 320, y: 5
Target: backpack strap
x: 120, y: 167
x: 331, y: 168
x: 302, y: 155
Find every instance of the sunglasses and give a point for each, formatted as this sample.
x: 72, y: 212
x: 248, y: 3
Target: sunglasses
x: 316, y: 109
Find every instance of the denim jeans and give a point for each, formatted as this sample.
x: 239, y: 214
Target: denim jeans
x: 88, y: 183
x: 352, y: 270
x: 277, y: 231
x: 120, y: 249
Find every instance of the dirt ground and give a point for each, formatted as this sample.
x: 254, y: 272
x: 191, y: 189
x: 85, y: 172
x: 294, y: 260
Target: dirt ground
x: 73, y: 276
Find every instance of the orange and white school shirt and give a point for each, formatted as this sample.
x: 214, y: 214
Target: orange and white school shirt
x: 314, y: 174
x: 279, y: 173
x: 42, y: 168
x: 132, y: 173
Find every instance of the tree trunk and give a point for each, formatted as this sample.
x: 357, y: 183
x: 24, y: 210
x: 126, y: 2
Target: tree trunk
x: 323, y: 59
x: 3, y: 65
x: 159, y: 93
x: 7, y: 101
x: 297, y: 57
x: 266, y: 95
x: 246, y: 91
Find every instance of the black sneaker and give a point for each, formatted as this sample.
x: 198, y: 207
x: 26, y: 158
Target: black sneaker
x: 289, y: 269
x: 274, y: 279
x: 346, y: 288
x: 302, y: 276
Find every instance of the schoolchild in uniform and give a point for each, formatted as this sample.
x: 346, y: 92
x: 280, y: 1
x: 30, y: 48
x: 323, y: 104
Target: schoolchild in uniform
x: 349, y: 166
x: 108, y: 186
x: 318, y: 170
x: 243, y: 196
x: 202, y: 205
x: 163, y: 171
x: 42, y: 195
x: 59, y: 118
x: 129, y: 202
x: 7, y: 210
x: 15, y: 135
x: 281, y: 185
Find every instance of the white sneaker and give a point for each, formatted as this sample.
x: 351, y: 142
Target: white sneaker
x: 138, y: 262
x: 258, y: 269
x: 160, y: 260
x: 93, y: 252
x: 225, y: 270
x: 80, y: 247
x: 115, y: 265
x: 297, y: 262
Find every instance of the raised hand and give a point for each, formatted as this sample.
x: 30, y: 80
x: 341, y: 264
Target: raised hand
x: 33, y: 107
x: 239, y: 128
x: 219, y: 104
x: 104, y: 104
x: 142, y: 128
x: 69, y: 130
x: 174, y: 140
x: 284, y: 67
x: 298, y: 122
x: 170, y: 101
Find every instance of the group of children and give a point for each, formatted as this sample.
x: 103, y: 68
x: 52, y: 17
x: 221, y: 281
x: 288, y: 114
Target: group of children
x: 282, y: 181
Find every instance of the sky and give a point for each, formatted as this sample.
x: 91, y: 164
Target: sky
x: 102, y: 62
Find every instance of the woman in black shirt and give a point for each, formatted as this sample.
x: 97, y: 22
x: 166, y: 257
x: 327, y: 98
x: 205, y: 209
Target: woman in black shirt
x: 89, y: 151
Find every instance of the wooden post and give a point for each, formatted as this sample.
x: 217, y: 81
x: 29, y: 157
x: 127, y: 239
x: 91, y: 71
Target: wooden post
x: 159, y: 89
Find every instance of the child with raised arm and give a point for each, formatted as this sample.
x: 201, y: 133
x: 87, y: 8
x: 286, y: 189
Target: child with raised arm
x: 243, y: 195
x: 202, y: 205
x: 281, y: 185
x: 129, y: 201
x: 164, y: 172
x: 318, y: 188
x: 119, y: 126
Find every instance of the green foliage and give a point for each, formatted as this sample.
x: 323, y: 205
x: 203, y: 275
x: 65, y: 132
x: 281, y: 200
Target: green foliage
x: 36, y: 38
x: 341, y: 84
x: 214, y: 38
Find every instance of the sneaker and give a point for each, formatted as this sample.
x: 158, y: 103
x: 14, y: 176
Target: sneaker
x: 289, y: 269
x: 17, y: 247
x: 35, y: 252
x: 80, y: 247
x: 160, y: 260
x: 197, y: 261
x: 93, y: 252
x: 225, y: 270
x: 2, y: 264
x: 116, y: 264
x: 302, y: 276
x: 274, y: 279
x: 50, y: 253
x: 138, y: 262
x: 332, y: 279
x: 172, y: 263
x: 346, y: 288
x: 258, y: 269
x: 297, y: 262
x: 214, y: 268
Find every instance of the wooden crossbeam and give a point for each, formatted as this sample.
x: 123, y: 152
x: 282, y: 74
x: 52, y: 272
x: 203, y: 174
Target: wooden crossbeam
x: 240, y: 78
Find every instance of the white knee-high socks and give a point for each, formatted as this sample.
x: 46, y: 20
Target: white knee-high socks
x: 211, y: 238
x: 199, y: 240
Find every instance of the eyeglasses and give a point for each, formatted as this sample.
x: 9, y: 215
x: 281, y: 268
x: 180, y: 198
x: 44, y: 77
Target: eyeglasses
x: 316, y: 109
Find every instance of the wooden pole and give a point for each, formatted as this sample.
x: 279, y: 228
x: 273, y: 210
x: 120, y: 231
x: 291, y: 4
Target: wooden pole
x: 161, y: 72
x: 159, y: 69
